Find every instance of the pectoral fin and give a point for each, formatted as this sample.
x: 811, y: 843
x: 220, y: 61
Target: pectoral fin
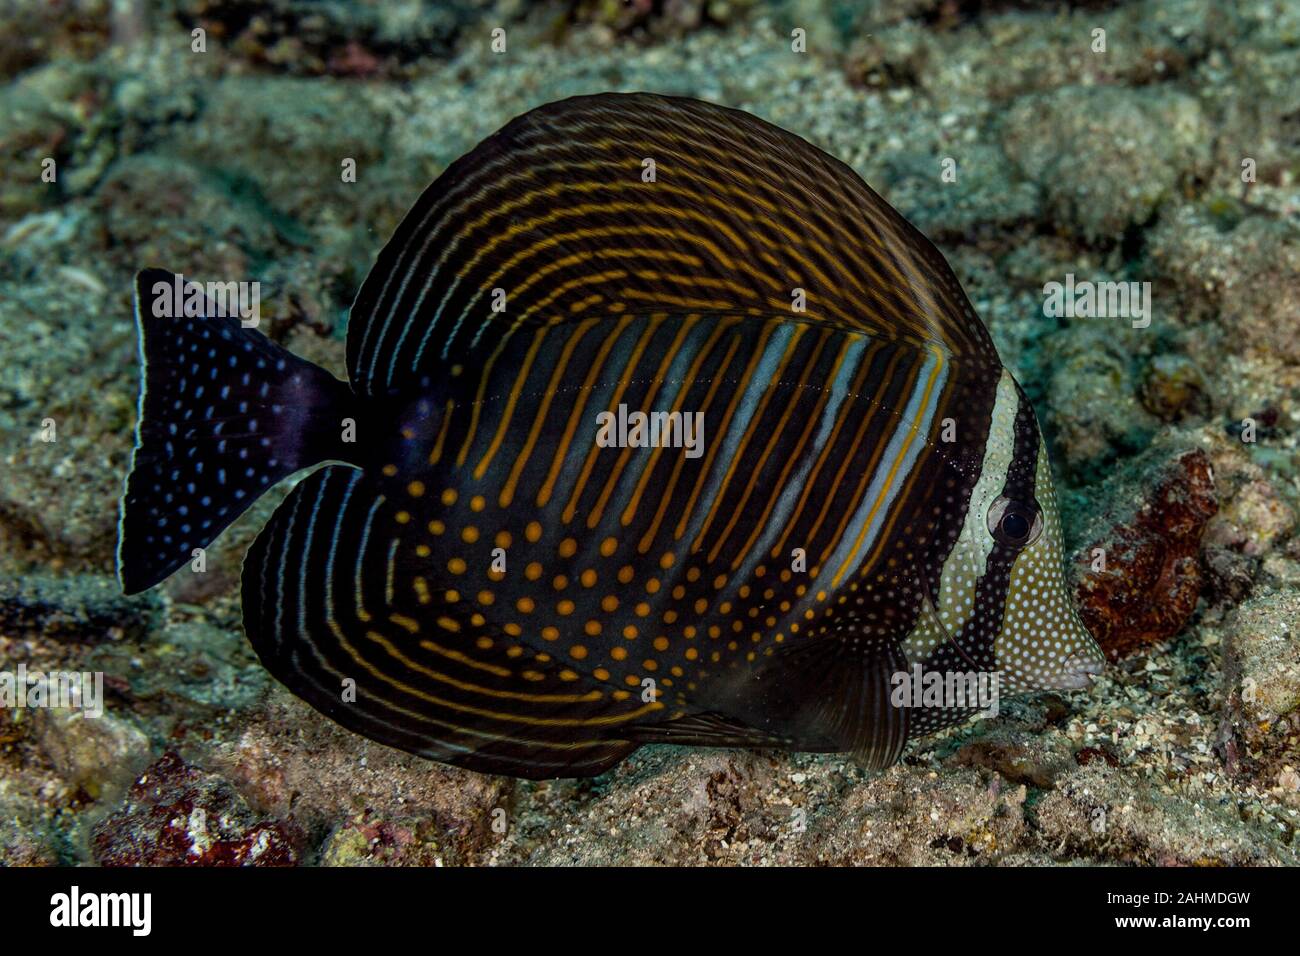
x: 829, y: 696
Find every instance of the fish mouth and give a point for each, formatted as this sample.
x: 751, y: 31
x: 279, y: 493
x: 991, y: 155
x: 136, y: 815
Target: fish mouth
x: 1078, y: 673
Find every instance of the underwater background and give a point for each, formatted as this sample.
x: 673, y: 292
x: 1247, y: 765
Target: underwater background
x: 1027, y: 145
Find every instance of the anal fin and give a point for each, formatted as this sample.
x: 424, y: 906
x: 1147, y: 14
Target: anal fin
x: 342, y: 610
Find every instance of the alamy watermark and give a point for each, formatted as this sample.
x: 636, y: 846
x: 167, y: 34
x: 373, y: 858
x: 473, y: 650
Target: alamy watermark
x: 977, y: 690
x: 1098, y: 300
x: 133, y: 911
x: 626, y: 429
x: 72, y: 690
x: 186, y: 297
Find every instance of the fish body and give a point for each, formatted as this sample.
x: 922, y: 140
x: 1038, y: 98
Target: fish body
x: 660, y: 426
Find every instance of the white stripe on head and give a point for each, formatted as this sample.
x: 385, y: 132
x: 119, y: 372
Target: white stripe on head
x: 965, y: 562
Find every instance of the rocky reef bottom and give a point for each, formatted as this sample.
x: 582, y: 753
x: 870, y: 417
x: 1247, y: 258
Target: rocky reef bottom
x: 1182, y: 754
x: 1167, y: 157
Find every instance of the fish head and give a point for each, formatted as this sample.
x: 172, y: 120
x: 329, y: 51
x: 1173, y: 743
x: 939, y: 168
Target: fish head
x: 1004, y: 595
x: 1042, y: 643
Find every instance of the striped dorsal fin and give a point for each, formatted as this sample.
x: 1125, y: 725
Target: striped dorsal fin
x: 633, y: 203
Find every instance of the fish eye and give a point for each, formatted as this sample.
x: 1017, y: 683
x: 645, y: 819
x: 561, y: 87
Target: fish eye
x: 1015, y: 523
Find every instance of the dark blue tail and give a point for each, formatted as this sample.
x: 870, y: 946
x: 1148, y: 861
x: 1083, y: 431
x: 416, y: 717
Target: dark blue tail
x: 224, y: 414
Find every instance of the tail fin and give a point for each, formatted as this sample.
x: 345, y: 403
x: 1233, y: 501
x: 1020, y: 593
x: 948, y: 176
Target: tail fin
x: 224, y: 414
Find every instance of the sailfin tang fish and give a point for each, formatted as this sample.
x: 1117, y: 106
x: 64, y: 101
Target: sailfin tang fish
x: 822, y: 481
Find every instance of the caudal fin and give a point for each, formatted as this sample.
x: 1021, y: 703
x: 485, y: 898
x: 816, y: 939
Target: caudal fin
x: 224, y: 414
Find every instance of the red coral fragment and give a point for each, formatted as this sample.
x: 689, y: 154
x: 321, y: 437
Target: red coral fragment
x: 354, y: 60
x: 178, y: 815
x: 1152, y: 577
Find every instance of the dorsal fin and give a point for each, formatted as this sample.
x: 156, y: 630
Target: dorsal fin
x: 599, y: 205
